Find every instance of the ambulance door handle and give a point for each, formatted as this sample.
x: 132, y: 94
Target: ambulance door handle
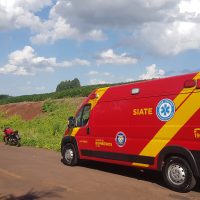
x: 88, y: 130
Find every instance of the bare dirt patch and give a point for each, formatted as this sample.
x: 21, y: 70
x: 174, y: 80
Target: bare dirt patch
x: 27, y: 110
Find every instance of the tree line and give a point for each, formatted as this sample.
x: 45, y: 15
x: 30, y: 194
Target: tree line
x: 68, y: 84
x: 68, y: 88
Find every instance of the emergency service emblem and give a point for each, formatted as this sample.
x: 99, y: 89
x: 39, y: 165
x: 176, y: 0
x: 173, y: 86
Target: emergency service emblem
x: 165, y: 109
x: 120, y: 139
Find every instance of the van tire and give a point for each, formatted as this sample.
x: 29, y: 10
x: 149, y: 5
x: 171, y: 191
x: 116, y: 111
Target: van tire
x: 70, y: 155
x: 178, y: 175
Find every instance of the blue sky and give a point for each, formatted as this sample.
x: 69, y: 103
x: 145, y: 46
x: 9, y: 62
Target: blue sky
x: 45, y: 42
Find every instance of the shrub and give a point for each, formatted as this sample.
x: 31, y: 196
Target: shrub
x: 49, y: 106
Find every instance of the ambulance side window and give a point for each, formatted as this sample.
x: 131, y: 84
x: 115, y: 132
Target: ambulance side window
x: 78, y: 118
x: 83, y: 115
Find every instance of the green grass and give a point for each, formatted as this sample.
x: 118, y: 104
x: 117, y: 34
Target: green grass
x: 47, y: 130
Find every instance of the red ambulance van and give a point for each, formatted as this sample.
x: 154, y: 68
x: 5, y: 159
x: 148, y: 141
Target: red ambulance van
x: 150, y: 124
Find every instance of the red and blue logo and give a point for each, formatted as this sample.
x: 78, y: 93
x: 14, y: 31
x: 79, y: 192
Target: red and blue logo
x: 120, y: 139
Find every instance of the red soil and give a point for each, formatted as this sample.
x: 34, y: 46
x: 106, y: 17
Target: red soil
x: 27, y: 110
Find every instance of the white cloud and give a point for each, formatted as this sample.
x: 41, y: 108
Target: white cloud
x: 12, y: 69
x: 58, y: 28
x: 107, y: 74
x: 100, y: 77
x: 115, y: 13
x: 27, y: 62
x: 95, y: 35
x: 97, y: 81
x: 32, y: 5
x: 17, y: 14
x: 190, y: 7
x: 20, y: 13
x: 169, y: 38
x: 152, y: 72
x: 95, y: 73
x: 54, y: 30
x: 71, y: 20
x: 92, y: 73
x: 166, y: 27
x: 109, y: 57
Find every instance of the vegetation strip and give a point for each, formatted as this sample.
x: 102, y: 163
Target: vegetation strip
x: 46, y: 130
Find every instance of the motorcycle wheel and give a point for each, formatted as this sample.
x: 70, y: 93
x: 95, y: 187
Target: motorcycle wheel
x: 16, y: 143
x: 5, y: 139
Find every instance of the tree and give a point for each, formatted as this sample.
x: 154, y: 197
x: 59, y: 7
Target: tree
x: 3, y: 96
x: 64, y: 85
x: 75, y: 83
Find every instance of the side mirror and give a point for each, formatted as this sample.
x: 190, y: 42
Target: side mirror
x: 71, y: 122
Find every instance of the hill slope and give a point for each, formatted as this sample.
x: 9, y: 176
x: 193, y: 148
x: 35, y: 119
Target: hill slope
x: 27, y: 110
x: 41, y: 124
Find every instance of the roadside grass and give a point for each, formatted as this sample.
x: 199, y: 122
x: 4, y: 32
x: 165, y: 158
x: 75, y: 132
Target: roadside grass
x: 46, y: 130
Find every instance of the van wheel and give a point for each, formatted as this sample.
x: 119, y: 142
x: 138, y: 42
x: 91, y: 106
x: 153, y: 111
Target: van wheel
x: 178, y: 175
x: 70, y: 156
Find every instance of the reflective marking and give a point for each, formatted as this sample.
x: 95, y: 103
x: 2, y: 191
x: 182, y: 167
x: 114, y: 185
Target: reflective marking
x: 184, y: 111
x: 169, y: 130
x: 100, y: 92
x: 185, y: 93
x: 74, y: 131
x: 140, y: 165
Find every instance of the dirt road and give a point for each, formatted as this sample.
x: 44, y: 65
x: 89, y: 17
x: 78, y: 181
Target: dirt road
x: 28, y: 174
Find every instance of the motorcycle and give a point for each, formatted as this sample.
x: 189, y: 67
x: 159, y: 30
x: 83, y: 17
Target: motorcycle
x: 11, y: 137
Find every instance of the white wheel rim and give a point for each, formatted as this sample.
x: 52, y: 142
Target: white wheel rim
x: 69, y: 154
x: 176, y: 174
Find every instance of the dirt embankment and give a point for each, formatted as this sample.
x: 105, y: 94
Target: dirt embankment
x: 27, y: 110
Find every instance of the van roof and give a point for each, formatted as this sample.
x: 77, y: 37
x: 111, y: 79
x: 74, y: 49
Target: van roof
x: 147, y: 88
